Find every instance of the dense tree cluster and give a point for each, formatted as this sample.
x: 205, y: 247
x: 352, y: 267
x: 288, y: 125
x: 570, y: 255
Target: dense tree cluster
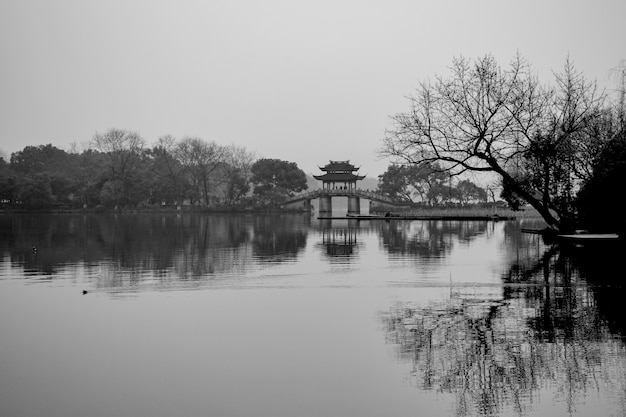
x: 600, y: 202
x: 544, y: 142
x: 119, y: 170
x: 429, y: 184
x: 275, y: 180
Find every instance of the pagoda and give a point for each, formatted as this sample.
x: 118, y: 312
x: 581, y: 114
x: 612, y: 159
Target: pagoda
x: 339, y: 175
x: 339, y: 179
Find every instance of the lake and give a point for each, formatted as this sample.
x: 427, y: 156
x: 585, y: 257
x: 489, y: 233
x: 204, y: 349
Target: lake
x: 288, y: 315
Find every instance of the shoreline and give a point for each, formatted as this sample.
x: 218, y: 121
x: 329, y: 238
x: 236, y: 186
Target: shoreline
x: 422, y: 217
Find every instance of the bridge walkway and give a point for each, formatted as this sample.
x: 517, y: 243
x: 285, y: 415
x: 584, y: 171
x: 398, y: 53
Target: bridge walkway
x: 370, y: 195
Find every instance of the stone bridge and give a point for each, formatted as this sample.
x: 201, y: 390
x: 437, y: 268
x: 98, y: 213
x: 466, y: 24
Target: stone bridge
x: 325, y: 196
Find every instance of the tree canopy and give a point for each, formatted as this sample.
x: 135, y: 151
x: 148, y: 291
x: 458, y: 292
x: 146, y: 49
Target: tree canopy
x: 119, y: 170
x: 428, y: 183
x: 274, y: 180
x: 600, y: 202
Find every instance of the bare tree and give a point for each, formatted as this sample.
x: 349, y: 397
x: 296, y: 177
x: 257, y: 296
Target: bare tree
x: 619, y: 72
x: 122, y: 149
x: 200, y: 159
x: 491, y: 119
x: 237, y: 170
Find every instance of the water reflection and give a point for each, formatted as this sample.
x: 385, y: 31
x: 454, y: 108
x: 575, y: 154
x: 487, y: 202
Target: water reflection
x: 429, y: 239
x: 279, y: 238
x: 551, y: 329
x: 601, y: 266
x: 522, y: 325
x: 339, y: 239
x: 122, y: 249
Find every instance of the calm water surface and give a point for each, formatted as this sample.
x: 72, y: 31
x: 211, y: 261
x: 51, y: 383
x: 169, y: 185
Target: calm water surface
x: 233, y: 315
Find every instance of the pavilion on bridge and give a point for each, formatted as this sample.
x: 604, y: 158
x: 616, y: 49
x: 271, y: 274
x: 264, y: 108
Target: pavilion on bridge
x: 339, y: 178
x: 339, y: 175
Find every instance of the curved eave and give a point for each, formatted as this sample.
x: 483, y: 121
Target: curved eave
x: 337, y: 177
x: 339, y: 166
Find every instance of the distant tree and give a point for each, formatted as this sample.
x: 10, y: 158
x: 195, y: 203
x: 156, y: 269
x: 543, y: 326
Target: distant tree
x: 424, y: 182
x: 396, y: 183
x: 467, y: 192
x: 111, y: 192
x: 620, y: 109
x: 168, y: 183
x: 35, y: 191
x: 8, y: 183
x: 437, y: 184
x: 122, y: 150
x: 237, y: 173
x: 275, y: 180
x: 441, y: 190
x: 486, y: 118
x: 58, y: 167
x: 200, y: 160
x: 34, y: 160
x: 91, y: 172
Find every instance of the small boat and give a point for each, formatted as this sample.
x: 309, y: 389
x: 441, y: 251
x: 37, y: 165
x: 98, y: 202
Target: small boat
x: 589, y: 237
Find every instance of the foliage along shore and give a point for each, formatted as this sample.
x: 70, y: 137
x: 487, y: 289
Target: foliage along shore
x: 469, y: 211
x: 148, y: 209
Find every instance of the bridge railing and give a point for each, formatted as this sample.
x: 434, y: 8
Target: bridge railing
x: 304, y: 196
x: 373, y: 195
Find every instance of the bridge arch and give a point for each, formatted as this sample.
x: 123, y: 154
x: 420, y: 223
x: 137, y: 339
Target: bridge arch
x: 338, y: 180
x: 325, y: 200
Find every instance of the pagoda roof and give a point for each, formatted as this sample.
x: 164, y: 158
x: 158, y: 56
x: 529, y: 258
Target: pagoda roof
x: 342, y: 166
x: 338, y: 176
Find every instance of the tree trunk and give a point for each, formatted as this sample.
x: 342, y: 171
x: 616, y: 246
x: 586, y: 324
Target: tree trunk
x: 538, y: 205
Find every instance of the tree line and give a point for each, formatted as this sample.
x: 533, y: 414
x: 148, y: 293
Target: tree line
x: 118, y: 170
x: 559, y: 147
x: 429, y: 184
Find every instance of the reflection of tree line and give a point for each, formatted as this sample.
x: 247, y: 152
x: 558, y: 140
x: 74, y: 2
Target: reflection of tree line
x: 429, y: 239
x: 549, y: 329
x: 128, y: 245
x: 279, y: 238
x: 193, y: 245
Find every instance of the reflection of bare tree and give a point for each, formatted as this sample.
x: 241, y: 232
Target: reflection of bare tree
x: 601, y: 265
x: 496, y: 355
x: 548, y: 277
x: 429, y: 238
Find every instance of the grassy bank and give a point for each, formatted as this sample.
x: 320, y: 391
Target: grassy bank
x: 470, y: 211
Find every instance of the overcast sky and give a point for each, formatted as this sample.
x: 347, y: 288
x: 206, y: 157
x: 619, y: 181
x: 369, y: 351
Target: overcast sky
x: 302, y: 81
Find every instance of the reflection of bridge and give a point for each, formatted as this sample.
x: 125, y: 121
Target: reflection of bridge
x: 325, y: 195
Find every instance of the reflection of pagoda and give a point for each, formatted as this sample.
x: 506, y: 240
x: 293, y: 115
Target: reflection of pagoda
x: 339, y: 242
x: 339, y: 179
x: 339, y: 176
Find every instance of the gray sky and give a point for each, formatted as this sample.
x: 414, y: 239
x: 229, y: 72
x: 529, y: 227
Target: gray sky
x: 294, y: 80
